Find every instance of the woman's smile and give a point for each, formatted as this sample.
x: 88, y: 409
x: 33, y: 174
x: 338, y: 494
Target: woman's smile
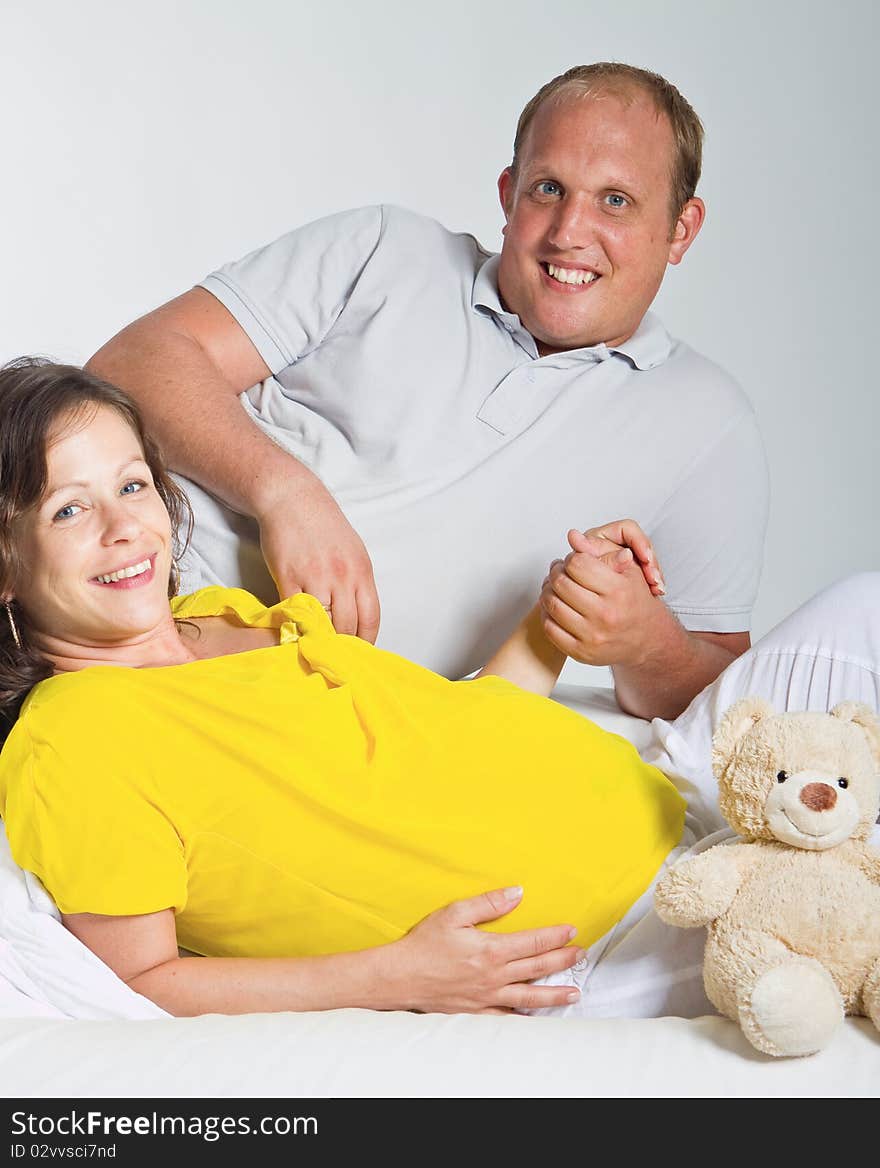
x: 130, y: 575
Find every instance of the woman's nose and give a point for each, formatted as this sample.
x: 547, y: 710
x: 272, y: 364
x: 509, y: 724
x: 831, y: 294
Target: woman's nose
x: 120, y: 524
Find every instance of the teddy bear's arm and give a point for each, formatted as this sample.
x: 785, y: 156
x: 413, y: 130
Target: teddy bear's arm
x: 695, y: 892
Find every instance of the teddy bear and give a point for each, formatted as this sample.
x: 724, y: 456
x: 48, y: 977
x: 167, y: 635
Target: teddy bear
x: 792, y: 906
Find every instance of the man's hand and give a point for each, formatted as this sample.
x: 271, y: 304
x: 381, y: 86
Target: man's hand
x: 309, y: 546
x: 603, y: 607
x: 600, y: 602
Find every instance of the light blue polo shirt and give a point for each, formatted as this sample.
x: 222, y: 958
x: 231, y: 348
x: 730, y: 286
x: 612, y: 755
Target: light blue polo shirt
x: 461, y: 456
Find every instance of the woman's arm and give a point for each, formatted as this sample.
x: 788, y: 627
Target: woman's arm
x: 443, y: 965
x: 527, y: 658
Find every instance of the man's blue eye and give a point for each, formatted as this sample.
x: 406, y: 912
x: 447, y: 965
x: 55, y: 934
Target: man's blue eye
x: 616, y: 200
x: 548, y: 187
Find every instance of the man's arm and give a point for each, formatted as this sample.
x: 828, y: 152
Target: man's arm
x: 603, y: 611
x: 665, y: 686
x: 185, y: 364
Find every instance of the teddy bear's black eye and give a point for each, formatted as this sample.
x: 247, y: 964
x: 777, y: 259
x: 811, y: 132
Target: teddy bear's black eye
x: 843, y: 783
x: 781, y: 777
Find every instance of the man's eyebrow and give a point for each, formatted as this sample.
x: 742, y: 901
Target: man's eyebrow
x: 81, y: 483
x: 616, y: 183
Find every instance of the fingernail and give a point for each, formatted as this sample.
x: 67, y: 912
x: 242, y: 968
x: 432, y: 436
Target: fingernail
x: 661, y: 584
x: 572, y: 996
x: 572, y: 933
x: 581, y: 954
x: 513, y: 893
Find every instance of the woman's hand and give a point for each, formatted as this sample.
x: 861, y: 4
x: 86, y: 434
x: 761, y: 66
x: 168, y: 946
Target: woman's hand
x: 445, y: 965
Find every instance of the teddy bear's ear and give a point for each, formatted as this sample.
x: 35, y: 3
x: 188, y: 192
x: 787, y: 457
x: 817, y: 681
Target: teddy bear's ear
x: 735, y: 723
x: 864, y: 717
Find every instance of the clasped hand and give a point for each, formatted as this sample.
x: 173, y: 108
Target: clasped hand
x: 600, y: 600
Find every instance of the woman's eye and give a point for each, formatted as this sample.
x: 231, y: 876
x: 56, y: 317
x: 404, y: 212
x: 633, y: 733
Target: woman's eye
x: 615, y: 200
x: 133, y: 487
x: 68, y: 512
x: 548, y: 187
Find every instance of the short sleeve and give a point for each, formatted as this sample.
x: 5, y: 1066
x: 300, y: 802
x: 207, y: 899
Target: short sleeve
x: 90, y: 831
x: 288, y: 295
x: 709, y: 535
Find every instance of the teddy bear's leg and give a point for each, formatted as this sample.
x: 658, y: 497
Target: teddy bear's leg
x: 871, y: 994
x: 791, y: 1008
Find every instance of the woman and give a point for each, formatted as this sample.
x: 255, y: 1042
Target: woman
x: 243, y: 782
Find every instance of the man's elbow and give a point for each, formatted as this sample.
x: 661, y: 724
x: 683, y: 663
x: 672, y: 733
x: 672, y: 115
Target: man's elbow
x: 651, y: 705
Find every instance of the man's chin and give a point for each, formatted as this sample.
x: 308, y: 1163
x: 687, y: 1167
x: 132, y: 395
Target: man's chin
x: 553, y: 342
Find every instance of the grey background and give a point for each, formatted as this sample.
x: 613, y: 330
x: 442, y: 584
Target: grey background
x: 146, y: 143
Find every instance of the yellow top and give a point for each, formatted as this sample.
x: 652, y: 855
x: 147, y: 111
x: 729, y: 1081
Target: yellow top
x: 322, y: 795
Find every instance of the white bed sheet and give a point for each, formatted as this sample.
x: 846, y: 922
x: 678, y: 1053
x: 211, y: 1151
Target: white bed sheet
x: 360, y: 1054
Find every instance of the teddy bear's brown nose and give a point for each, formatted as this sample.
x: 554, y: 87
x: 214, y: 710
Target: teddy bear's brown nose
x: 818, y: 796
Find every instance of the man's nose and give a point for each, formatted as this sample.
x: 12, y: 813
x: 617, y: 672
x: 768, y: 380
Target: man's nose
x: 573, y: 225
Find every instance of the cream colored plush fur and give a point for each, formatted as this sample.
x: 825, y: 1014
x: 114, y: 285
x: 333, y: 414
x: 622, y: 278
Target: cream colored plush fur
x: 793, y: 909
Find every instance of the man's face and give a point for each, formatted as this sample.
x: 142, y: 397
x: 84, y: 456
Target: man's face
x: 589, y: 232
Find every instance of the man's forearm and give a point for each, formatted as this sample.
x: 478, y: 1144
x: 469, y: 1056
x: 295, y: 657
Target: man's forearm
x: 196, y: 417
x: 671, y: 673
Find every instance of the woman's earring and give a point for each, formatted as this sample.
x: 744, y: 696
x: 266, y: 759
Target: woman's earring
x: 12, y: 625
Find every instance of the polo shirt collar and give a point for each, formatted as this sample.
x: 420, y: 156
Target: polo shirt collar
x: 648, y: 347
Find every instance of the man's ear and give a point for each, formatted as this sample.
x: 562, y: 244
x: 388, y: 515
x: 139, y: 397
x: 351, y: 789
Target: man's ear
x: 506, y: 185
x: 687, y: 227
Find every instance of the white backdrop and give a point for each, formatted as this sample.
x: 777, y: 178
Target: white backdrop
x: 146, y: 143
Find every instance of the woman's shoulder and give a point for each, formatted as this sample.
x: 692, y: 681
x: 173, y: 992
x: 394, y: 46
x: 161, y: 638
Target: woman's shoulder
x: 69, y: 707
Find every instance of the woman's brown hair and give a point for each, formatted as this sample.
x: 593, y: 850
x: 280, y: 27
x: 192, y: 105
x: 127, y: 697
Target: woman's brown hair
x: 35, y: 396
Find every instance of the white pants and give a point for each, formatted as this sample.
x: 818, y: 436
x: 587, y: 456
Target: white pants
x: 826, y: 652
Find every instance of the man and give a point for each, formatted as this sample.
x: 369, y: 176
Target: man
x: 372, y: 400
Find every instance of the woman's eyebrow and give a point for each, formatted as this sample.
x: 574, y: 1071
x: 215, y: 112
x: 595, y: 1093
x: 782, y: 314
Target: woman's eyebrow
x: 81, y: 483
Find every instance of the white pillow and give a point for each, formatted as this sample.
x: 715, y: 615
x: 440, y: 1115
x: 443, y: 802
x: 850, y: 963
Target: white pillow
x: 44, y: 970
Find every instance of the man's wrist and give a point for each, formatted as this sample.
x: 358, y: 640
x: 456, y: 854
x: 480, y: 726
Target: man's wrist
x: 283, y: 481
x: 660, y: 640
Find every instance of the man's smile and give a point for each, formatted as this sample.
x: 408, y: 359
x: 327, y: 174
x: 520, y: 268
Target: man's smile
x: 569, y: 279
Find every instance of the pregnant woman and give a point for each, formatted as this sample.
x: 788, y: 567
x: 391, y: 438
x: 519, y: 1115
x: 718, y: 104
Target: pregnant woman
x: 292, y: 804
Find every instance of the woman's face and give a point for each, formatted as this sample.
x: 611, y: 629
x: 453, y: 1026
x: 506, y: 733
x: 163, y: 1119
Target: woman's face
x: 96, y: 550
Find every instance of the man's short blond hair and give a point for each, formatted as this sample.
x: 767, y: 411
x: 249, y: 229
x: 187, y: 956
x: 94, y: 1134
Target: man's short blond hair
x: 612, y: 77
